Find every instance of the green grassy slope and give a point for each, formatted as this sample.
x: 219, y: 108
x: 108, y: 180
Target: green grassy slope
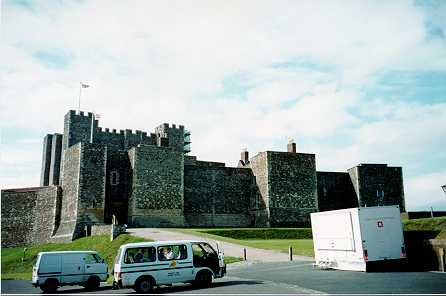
x: 14, y: 268
x: 300, y: 246
x: 426, y: 224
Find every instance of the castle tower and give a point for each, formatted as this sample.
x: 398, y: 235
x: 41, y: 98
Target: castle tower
x: 287, y: 187
x: 79, y: 128
x: 378, y: 185
x: 51, y: 160
x: 174, y: 137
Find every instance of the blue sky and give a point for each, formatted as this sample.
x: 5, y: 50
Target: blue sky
x: 352, y: 81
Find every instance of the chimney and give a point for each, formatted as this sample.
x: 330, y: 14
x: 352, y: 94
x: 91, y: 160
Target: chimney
x: 291, y: 147
x: 244, y: 156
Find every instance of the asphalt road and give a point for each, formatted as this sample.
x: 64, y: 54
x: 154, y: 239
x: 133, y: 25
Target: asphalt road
x: 230, y: 249
x: 284, y: 278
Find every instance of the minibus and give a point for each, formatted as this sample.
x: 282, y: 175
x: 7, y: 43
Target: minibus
x: 142, y: 266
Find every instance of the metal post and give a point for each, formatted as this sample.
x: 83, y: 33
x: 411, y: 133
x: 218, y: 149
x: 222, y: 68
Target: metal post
x: 290, y: 253
x: 244, y: 254
x: 24, y: 251
x: 440, y: 256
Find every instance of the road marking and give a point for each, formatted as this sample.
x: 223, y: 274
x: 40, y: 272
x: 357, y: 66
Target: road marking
x: 300, y: 290
x: 280, y: 268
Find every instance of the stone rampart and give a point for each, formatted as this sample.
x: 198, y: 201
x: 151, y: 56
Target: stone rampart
x: 215, y: 195
x: 292, y: 188
x: 378, y: 185
x: 335, y: 191
x: 29, y: 215
x: 157, y: 196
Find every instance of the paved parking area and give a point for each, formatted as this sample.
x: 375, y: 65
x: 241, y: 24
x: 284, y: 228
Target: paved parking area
x: 297, y: 277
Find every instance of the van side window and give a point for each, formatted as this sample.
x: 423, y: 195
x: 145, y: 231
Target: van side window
x: 172, y: 252
x: 140, y: 255
x: 90, y: 259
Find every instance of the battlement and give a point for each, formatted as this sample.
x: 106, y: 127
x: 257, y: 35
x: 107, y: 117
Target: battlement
x: 84, y: 127
x: 80, y: 113
x: 170, y: 126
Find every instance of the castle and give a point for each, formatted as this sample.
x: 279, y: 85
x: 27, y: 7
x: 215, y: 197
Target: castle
x: 90, y: 174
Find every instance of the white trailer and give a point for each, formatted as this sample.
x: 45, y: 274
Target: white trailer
x: 352, y: 239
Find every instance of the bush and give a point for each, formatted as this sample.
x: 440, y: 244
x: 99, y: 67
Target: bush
x: 263, y: 233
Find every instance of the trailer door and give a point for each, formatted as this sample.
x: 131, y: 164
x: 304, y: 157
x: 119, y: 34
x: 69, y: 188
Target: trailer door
x: 382, y: 233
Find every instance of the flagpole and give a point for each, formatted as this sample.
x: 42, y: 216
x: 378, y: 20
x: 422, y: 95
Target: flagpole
x: 92, y: 128
x: 79, y: 102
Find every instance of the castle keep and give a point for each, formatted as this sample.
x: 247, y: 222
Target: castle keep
x: 90, y: 174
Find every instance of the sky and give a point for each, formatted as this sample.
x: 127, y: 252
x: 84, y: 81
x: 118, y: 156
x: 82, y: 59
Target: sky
x: 351, y: 81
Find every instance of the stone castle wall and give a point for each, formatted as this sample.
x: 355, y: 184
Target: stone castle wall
x: 91, y: 191
x: 260, y: 207
x: 217, y: 196
x: 157, y: 197
x: 118, y: 186
x: 146, y: 180
x: 29, y: 215
x: 378, y: 185
x: 70, y: 185
x: 292, y: 189
x: 335, y: 191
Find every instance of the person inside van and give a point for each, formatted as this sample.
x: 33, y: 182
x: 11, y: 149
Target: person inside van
x: 139, y: 257
x: 161, y: 253
x: 168, y: 254
x: 152, y: 254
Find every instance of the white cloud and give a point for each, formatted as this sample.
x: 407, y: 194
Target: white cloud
x: 300, y: 66
x: 423, y: 191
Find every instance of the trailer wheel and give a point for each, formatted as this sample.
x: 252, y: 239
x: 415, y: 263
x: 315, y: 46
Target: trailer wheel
x: 144, y: 285
x: 50, y: 286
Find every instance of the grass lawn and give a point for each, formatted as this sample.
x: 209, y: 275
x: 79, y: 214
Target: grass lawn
x: 436, y: 225
x: 300, y: 246
x: 14, y: 268
x: 425, y: 224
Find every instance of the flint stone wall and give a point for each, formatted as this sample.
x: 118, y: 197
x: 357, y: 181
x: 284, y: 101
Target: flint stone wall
x: 29, y: 215
x: 217, y: 195
x: 335, y: 191
x: 91, y: 193
x: 260, y: 206
x: 157, y: 197
x: 292, y: 188
x: 370, y: 180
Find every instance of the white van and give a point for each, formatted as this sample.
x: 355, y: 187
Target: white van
x: 56, y: 269
x: 145, y: 265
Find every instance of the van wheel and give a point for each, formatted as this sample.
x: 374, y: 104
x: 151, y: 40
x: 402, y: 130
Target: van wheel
x: 203, y: 279
x: 93, y: 283
x: 50, y: 286
x: 144, y: 285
